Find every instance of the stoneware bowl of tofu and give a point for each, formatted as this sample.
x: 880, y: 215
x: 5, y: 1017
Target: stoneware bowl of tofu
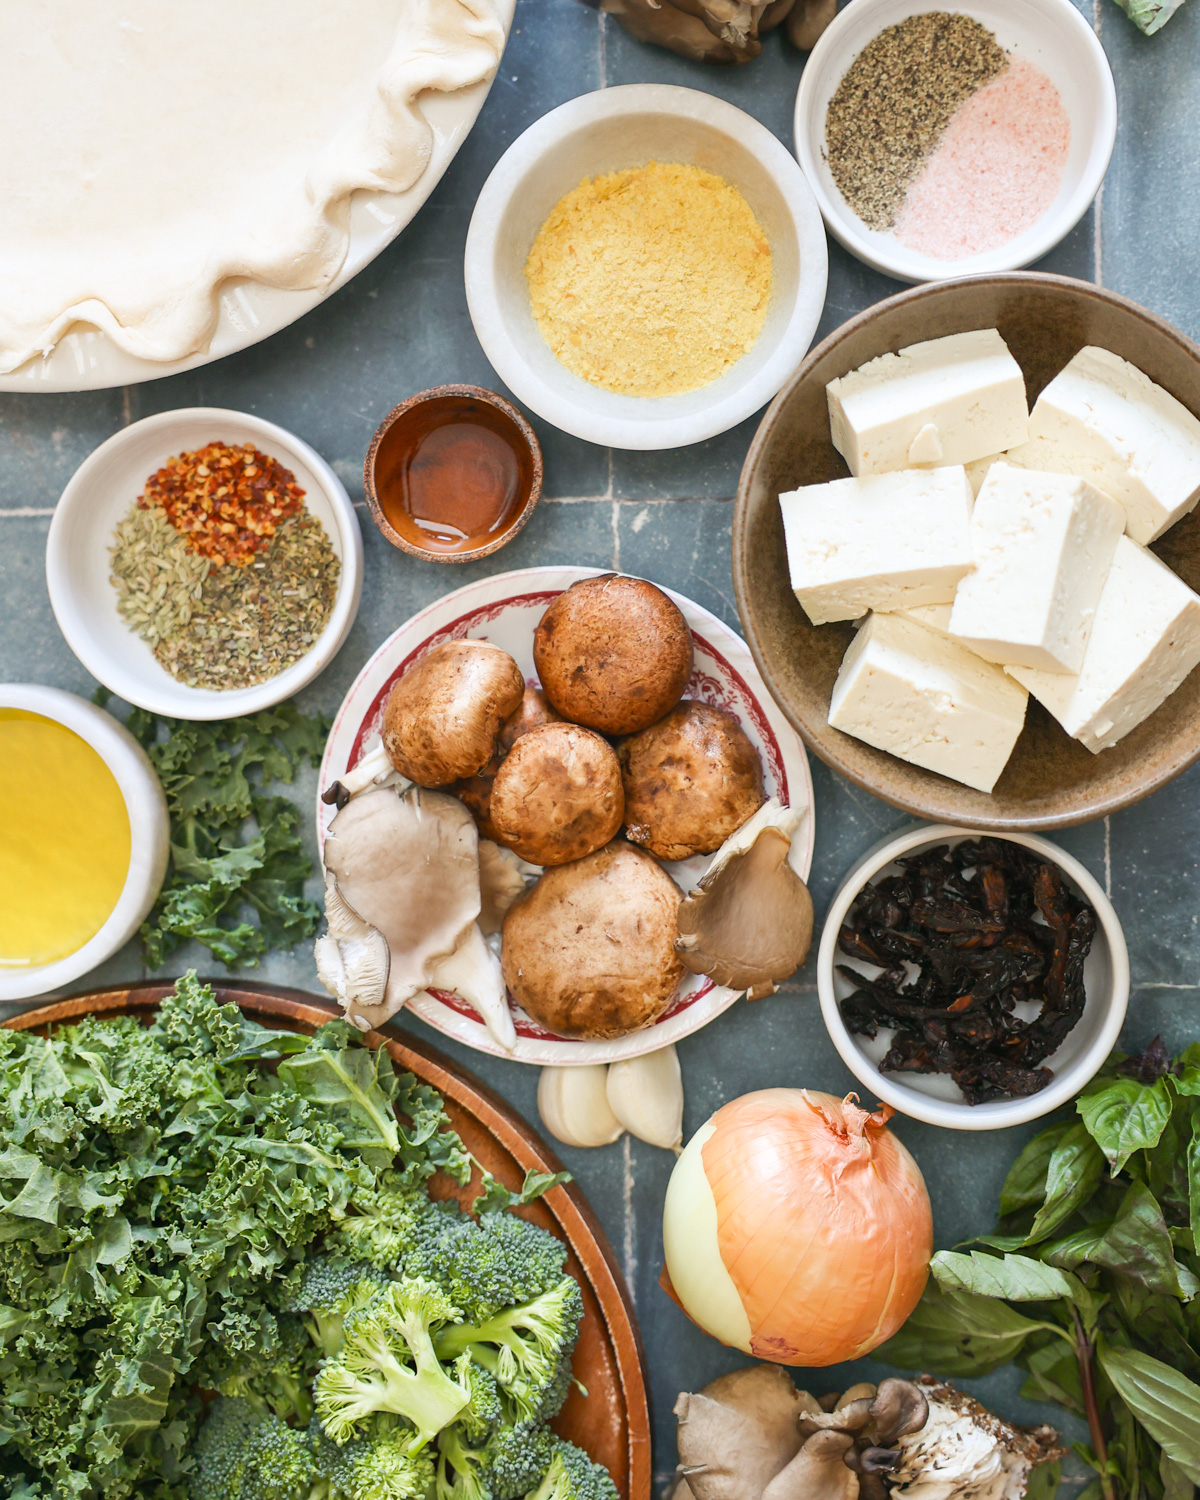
x: 966, y: 551
x: 933, y: 1097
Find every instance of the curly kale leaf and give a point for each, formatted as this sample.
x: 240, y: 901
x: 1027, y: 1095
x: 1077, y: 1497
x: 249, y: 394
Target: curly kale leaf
x: 236, y: 854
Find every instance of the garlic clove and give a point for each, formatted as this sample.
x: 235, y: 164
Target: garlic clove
x: 646, y: 1096
x: 573, y: 1104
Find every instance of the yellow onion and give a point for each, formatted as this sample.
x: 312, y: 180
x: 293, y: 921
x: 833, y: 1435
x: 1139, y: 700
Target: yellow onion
x: 797, y: 1228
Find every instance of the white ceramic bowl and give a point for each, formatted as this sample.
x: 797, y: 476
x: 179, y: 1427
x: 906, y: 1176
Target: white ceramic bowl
x: 606, y: 132
x: 1050, y: 34
x: 99, y: 495
x: 934, y: 1098
x: 148, y: 833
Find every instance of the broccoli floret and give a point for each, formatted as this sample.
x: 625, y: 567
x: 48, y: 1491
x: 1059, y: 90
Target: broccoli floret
x: 527, y: 1348
x: 486, y: 1266
x: 330, y: 1287
x: 484, y: 1409
x: 387, y: 1363
x: 573, y: 1476
x: 279, y: 1378
x: 243, y: 1453
x: 518, y: 1458
x: 385, y: 1220
x: 386, y: 1464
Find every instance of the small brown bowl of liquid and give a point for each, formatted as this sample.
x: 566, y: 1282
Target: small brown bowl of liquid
x: 453, y: 473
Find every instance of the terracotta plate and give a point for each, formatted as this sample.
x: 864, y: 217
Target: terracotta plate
x: 613, y: 1422
x: 1051, y: 780
x: 505, y: 609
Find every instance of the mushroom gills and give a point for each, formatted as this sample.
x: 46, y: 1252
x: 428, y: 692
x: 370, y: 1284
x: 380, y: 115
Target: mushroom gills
x: 407, y: 865
x: 748, y: 924
x: 472, y: 972
x: 353, y: 958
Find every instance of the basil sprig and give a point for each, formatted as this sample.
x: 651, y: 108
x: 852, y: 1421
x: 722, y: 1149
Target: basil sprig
x: 1090, y: 1281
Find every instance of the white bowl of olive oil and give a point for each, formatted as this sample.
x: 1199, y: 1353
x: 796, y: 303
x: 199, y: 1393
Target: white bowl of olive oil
x: 86, y: 838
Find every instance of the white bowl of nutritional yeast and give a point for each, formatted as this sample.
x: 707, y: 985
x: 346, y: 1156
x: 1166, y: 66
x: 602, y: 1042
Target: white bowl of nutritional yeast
x: 609, y: 131
x: 1053, y: 37
x: 78, y: 559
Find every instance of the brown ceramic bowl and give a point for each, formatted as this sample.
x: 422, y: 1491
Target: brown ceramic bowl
x: 467, y: 405
x: 1051, y: 780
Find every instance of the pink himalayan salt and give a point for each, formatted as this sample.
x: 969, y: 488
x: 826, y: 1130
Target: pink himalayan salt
x: 995, y: 171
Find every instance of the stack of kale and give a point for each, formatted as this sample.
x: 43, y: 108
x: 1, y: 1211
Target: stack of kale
x: 224, y: 1281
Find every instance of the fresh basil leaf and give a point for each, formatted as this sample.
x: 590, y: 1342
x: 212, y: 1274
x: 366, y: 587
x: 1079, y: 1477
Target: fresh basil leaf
x: 1017, y: 1278
x: 1043, y: 1481
x: 1126, y: 1116
x: 1176, y: 1484
x: 1053, y: 1375
x: 1138, y: 1245
x: 959, y: 1333
x: 1166, y: 1403
x: 1025, y: 1185
x: 1073, y: 1174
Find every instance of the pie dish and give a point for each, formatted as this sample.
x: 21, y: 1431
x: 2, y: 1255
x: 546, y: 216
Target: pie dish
x: 335, y: 113
x: 504, y: 610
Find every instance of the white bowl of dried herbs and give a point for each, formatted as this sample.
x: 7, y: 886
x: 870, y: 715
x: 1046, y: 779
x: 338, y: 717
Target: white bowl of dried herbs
x: 204, y: 563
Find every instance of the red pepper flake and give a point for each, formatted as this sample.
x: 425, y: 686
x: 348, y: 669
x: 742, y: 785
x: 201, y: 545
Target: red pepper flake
x: 226, y: 502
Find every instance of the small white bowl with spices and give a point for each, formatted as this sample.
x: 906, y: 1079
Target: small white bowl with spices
x: 266, y: 618
x: 950, y: 142
x: 682, y: 289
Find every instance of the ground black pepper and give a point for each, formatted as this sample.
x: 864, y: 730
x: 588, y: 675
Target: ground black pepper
x: 889, y: 111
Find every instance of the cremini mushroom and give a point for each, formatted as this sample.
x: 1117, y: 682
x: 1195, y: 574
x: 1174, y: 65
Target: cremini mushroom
x: 748, y: 924
x: 501, y: 881
x: 441, y: 720
x: 406, y: 864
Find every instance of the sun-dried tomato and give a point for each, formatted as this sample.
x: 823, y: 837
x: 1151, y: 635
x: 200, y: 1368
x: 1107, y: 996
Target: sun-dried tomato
x: 226, y: 502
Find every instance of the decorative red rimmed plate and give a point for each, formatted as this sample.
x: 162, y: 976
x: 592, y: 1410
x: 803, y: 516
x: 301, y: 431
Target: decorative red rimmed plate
x: 504, y: 610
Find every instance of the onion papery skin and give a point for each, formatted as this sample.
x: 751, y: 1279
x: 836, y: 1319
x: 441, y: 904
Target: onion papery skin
x: 823, y: 1224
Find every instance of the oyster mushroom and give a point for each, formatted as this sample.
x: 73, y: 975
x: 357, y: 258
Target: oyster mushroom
x: 353, y: 959
x: 406, y: 865
x: 748, y: 924
x: 738, y: 1432
x: 966, y: 1452
x: 472, y: 972
x: 818, y: 1472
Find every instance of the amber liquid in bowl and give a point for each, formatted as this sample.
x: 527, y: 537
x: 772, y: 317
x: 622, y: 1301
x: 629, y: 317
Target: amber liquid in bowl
x: 452, y: 474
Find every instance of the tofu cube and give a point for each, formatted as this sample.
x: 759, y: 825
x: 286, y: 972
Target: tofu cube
x: 916, y: 694
x: 1102, y: 419
x: 1042, y: 546
x: 935, y: 617
x: 886, y: 542
x: 947, y: 401
x: 1145, y: 641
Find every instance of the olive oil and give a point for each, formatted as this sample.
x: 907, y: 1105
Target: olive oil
x: 64, y: 841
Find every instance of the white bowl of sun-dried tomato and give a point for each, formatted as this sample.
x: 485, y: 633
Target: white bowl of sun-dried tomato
x: 204, y: 563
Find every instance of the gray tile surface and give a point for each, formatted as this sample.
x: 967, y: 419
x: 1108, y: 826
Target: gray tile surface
x: 402, y: 325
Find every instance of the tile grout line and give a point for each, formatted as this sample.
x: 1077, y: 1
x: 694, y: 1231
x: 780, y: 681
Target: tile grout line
x: 1108, y: 857
x: 126, y: 405
x: 616, y: 526
x: 25, y: 512
x: 630, y: 1252
x: 603, y: 50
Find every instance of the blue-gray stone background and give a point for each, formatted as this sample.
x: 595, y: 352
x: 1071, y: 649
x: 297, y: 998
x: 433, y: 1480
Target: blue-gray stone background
x: 402, y: 325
